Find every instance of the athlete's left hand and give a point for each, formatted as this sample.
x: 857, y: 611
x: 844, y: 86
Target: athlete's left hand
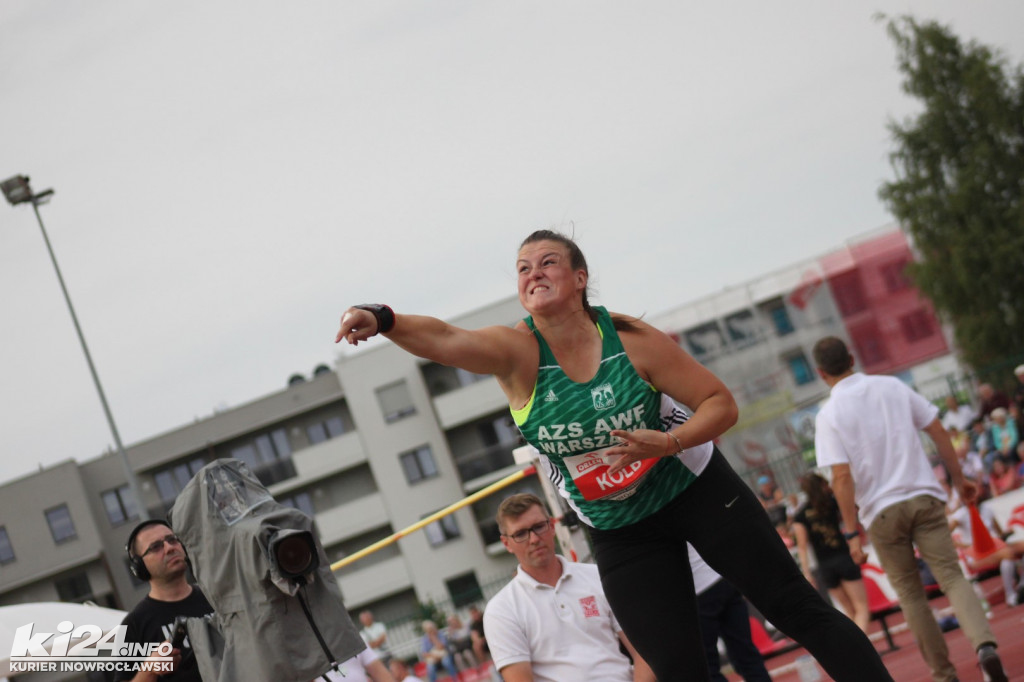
x: 637, y: 445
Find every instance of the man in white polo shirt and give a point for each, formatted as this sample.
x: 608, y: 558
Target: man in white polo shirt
x: 552, y: 621
x: 869, y: 433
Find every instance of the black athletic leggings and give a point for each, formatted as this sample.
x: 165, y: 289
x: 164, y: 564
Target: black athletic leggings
x: 646, y: 577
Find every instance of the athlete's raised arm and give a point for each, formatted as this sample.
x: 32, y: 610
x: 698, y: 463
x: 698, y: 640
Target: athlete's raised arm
x: 502, y: 351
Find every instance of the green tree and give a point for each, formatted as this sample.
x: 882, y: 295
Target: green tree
x: 959, y: 167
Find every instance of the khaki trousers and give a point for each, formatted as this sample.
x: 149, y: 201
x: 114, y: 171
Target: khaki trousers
x: 921, y: 522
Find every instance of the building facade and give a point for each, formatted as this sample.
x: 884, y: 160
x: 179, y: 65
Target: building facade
x: 368, y: 449
x: 758, y: 336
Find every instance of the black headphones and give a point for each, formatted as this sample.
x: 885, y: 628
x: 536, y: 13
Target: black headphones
x: 136, y: 564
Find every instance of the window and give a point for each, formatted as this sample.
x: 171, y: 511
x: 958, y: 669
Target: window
x: 6, y: 550
x: 395, y: 401
x: 848, y: 293
x: 321, y: 431
x: 777, y: 313
x: 418, y: 464
x: 273, y: 446
x: 464, y: 589
x: 74, y: 588
x: 742, y: 327
x: 917, y: 325
x: 61, y: 526
x: 266, y: 448
x: 799, y: 368
x: 442, y: 530
x: 705, y: 341
x: 301, y: 501
x: 268, y: 456
x: 868, y: 344
x: 120, y: 505
x: 895, y: 275
x: 173, y: 480
x: 441, y: 379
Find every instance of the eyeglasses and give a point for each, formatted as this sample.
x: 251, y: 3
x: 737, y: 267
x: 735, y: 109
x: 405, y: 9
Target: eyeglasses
x: 539, y: 529
x: 157, y: 545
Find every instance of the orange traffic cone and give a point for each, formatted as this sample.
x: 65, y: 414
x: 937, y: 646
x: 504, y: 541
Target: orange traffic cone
x: 982, y: 542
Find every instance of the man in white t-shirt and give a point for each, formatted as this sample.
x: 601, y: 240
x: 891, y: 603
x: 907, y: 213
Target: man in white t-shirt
x: 552, y: 622
x: 869, y: 433
x: 957, y: 416
x: 374, y: 634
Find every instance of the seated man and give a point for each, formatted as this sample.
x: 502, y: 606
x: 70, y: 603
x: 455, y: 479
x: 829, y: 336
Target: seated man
x: 436, y: 651
x: 552, y: 622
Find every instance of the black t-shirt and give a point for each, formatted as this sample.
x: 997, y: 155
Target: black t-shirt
x: 823, y: 531
x: 477, y: 626
x: 151, y: 621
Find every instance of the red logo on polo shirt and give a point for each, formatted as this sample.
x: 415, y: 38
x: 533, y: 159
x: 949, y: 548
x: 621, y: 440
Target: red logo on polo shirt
x: 589, y: 605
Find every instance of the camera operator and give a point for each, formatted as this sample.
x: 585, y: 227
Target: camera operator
x: 156, y: 555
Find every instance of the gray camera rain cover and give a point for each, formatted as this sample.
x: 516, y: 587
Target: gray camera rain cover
x: 258, y: 632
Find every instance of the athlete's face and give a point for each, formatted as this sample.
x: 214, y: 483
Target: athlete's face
x: 534, y: 529
x: 546, y: 277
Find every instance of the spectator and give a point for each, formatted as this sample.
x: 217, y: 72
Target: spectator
x: 1004, y: 434
x: 435, y: 651
x: 476, y: 634
x: 1017, y: 418
x: 460, y: 643
x: 772, y: 499
x: 990, y: 400
x: 957, y: 415
x: 971, y: 463
x: 1003, y: 477
x: 817, y: 525
x: 374, y: 634
x: 1018, y: 391
x: 981, y: 440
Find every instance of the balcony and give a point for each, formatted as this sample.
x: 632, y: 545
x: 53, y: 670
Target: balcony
x: 321, y: 460
x: 486, y: 461
x: 469, y: 402
x: 351, y: 519
x: 376, y: 580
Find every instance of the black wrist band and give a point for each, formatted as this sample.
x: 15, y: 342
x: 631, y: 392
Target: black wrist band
x: 385, y: 316
x: 851, y: 535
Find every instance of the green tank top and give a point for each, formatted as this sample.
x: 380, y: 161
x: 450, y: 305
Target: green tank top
x: 569, y: 424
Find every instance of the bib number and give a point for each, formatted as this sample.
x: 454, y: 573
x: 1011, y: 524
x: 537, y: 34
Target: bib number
x: 589, y: 472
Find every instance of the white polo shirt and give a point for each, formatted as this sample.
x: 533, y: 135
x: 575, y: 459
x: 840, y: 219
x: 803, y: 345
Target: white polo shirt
x: 566, y: 632
x: 873, y: 423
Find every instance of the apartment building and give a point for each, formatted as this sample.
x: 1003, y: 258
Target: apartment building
x: 367, y: 450
x: 758, y: 336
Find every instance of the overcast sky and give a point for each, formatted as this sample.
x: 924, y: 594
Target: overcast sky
x: 230, y: 176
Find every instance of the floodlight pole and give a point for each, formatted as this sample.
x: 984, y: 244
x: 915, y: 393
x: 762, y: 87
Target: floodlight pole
x: 133, y: 482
